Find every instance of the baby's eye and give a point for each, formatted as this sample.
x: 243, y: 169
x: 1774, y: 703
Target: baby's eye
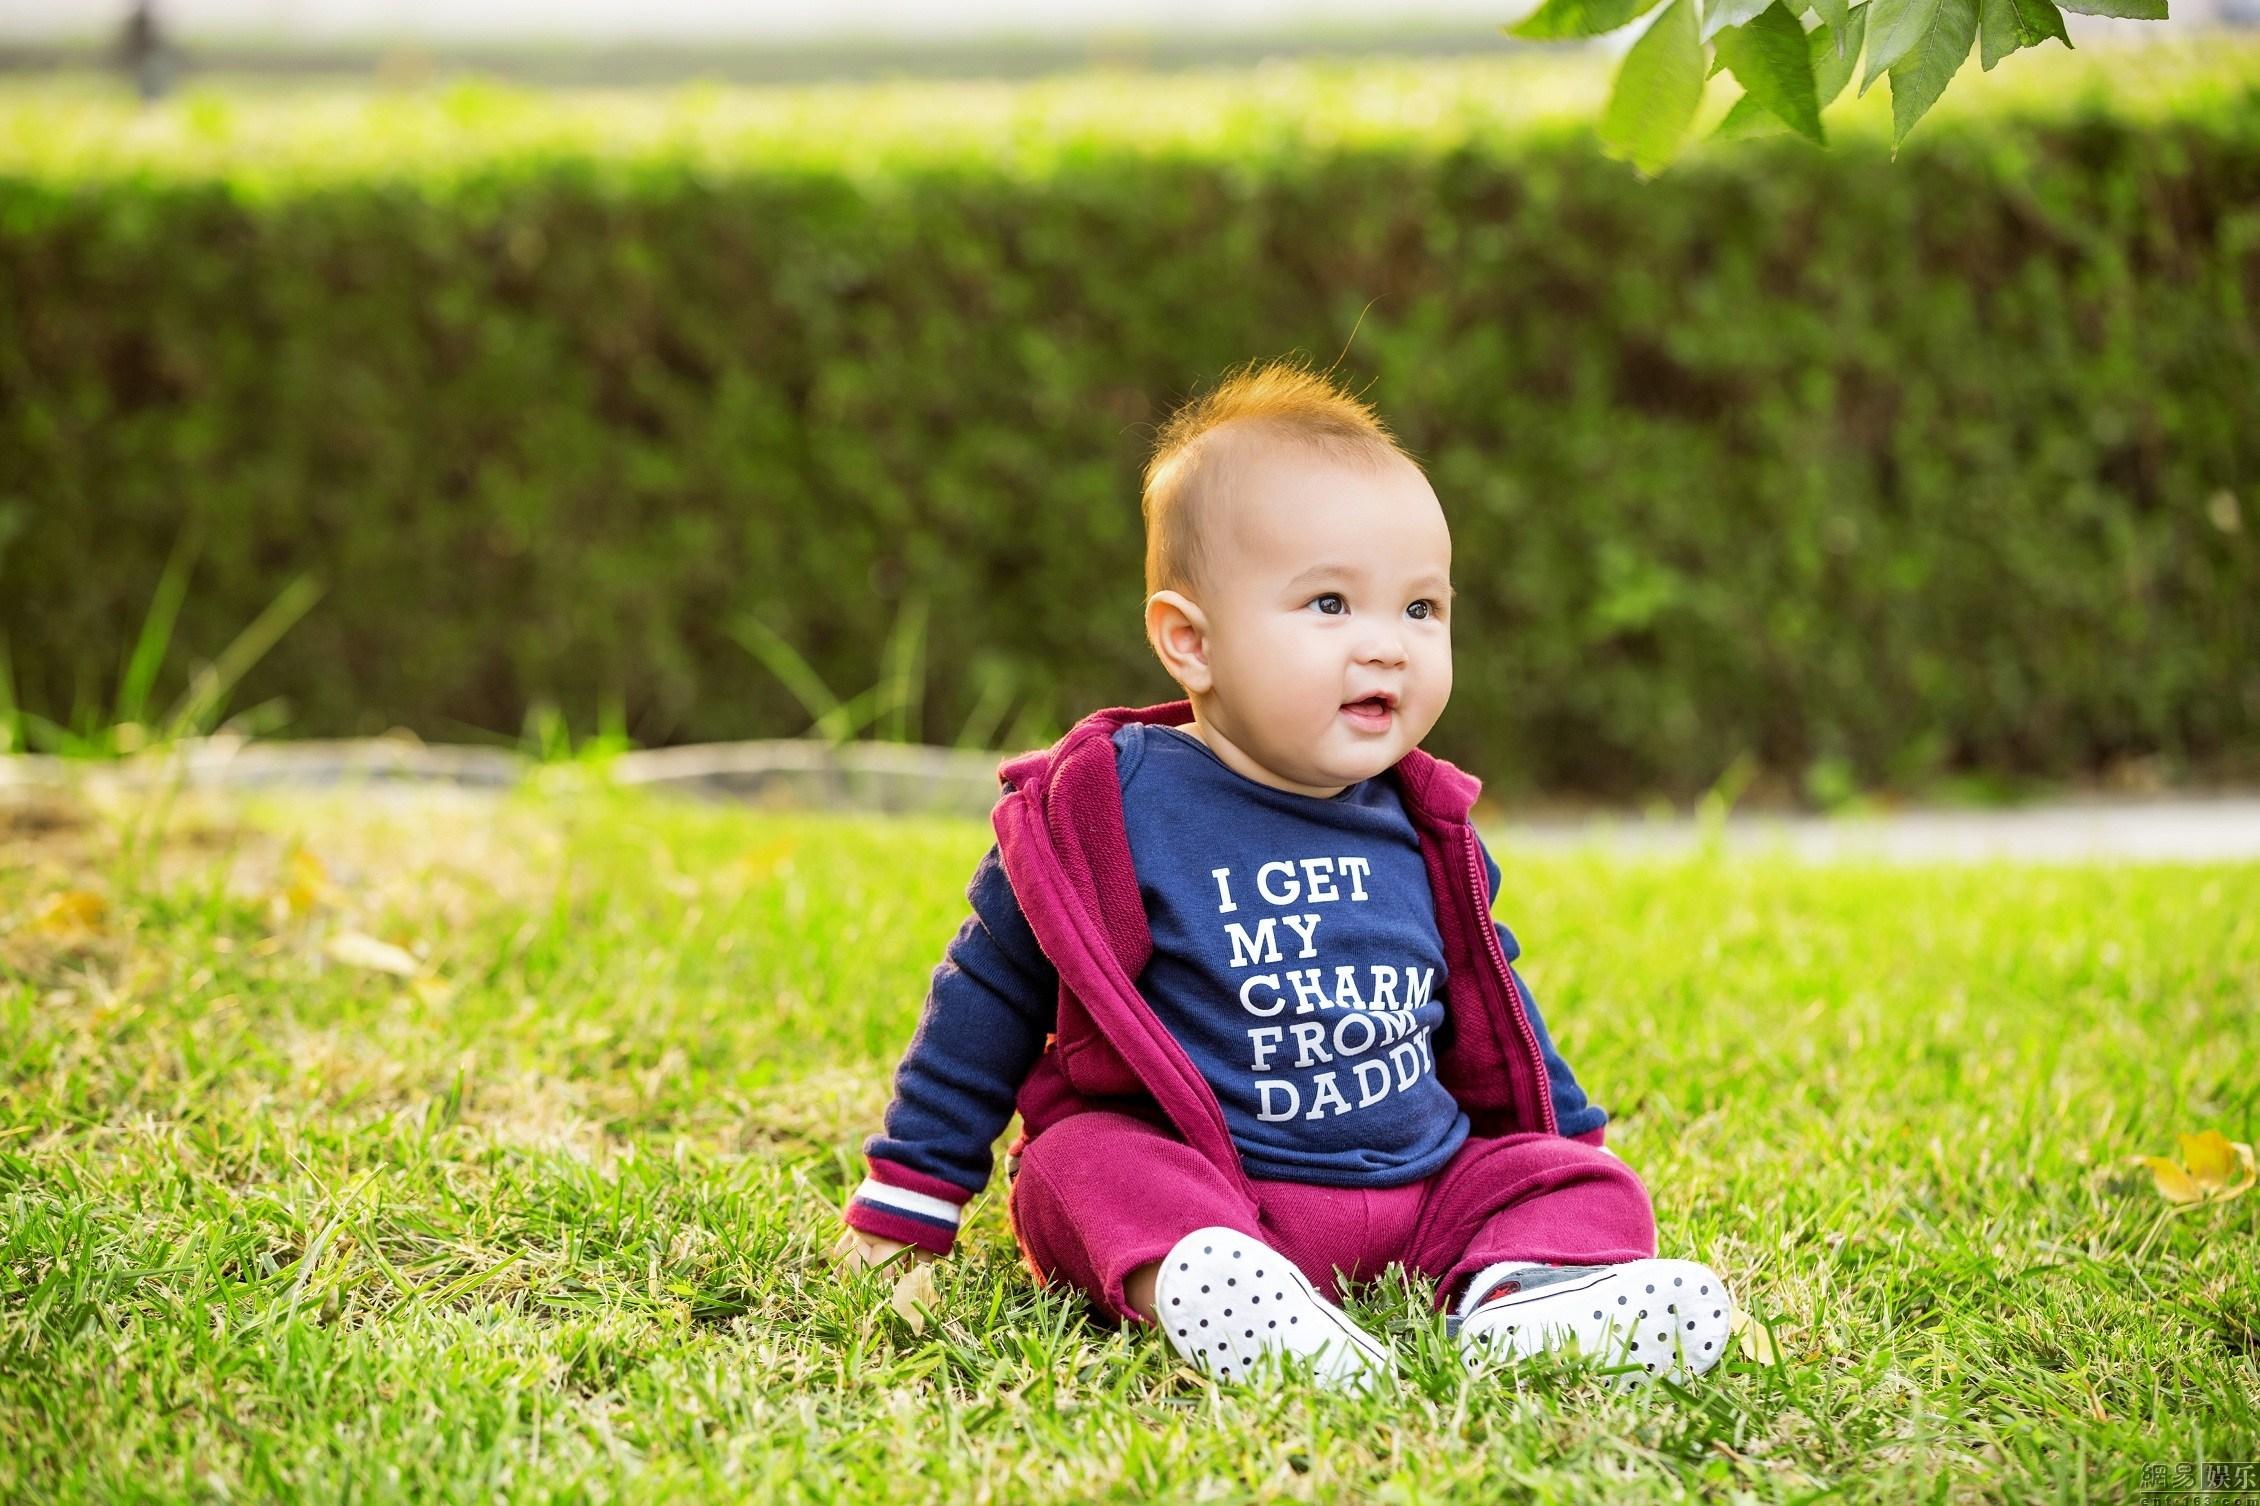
x: 1329, y: 596
x: 1422, y: 609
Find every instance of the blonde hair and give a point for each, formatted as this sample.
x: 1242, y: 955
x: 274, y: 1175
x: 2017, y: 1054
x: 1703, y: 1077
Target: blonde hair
x: 1186, y: 476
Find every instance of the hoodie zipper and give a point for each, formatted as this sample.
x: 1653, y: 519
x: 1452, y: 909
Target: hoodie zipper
x: 1520, y: 1010
x: 1197, y: 1085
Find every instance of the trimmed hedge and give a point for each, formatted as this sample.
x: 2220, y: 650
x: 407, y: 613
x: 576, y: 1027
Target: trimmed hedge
x: 1882, y: 469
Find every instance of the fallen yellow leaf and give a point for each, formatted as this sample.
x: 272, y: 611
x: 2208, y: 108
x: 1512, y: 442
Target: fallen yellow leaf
x: 2175, y: 1184
x: 306, y: 884
x: 916, y: 1295
x: 73, y: 915
x: 2215, y: 1161
x: 760, y: 864
x: 1754, y: 1337
x: 356, y: 950
x: 2212, y: 1169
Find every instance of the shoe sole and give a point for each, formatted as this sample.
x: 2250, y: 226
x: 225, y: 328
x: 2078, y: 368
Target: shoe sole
x: 1230, y: 1305
x: 1657, y: 1318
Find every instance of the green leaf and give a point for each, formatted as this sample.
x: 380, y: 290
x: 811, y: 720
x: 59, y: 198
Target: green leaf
x: 209, y: 687
x: 156, y: 631
x: 1836, y: 54
x: 1559, y: 20
x: 1745, y: 118
x: 1998, y: 32
x: 1658, y: 86
x: 2006, y: 25
x: 1832, y: 69
x: 1893, y: 27
x: 1772, y: 60
x: 1921, y: 75
x: 773, y: 649
x: 2038, y: 20
x: 1832, y: 14
x: 2131, y: 10
x: 1718, y: 15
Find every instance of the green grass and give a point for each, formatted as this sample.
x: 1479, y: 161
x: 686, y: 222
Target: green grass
x: 547, y: 1221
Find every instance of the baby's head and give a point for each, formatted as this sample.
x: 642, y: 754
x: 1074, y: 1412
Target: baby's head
x: 1297, y: 562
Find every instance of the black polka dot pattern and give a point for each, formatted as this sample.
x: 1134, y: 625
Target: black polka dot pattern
x: 1315, y: 1332
x: 1573, y: 1312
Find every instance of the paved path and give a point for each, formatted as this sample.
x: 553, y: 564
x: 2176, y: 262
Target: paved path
x: 941, y: 781
x: 2210, y: 828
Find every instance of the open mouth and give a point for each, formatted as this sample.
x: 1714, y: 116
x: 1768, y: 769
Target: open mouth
x: 1374, y: 709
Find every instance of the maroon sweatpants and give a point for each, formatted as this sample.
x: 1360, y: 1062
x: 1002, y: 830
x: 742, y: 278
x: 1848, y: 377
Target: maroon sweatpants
x: 1099, y: 1195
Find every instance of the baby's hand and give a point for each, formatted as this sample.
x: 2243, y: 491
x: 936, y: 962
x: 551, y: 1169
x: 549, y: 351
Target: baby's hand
x: 859, y: 1251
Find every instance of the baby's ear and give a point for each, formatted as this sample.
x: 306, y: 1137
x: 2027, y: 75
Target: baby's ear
x: 1177, y: 631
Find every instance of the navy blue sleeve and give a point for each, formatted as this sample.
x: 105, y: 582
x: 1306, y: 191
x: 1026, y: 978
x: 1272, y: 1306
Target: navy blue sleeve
x: 1574, y: 1113
x: 993, y: 1000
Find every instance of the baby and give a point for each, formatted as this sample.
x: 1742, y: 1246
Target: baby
x: 1232, y: 960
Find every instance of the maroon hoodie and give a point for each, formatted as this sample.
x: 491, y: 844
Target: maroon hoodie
x: 1065, y: 850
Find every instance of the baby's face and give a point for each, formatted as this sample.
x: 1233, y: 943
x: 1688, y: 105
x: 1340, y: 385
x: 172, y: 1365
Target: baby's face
x: 1333, y: 583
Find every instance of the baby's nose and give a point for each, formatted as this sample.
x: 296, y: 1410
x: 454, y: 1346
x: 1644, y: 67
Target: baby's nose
x: 1383, y: 647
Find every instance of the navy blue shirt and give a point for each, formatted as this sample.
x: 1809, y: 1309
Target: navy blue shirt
x: 1296, y: 959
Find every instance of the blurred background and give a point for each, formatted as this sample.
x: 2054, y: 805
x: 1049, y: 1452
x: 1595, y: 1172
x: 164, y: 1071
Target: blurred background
x: 609, y: 41
x: 683, y: 371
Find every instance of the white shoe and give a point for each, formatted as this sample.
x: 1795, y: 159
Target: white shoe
x: 1646, y: 1319
x: 1231, y: 1304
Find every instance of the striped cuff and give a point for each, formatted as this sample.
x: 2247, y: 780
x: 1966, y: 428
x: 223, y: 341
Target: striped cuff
x: 895, y: 1202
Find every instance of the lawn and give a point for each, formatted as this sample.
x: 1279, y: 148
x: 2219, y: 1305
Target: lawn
x: 376, y: 1148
